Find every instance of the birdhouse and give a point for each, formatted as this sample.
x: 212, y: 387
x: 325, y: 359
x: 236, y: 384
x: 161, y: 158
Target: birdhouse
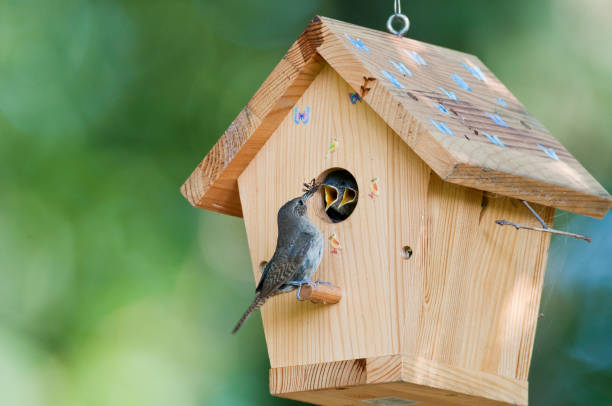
x: 440, y: 296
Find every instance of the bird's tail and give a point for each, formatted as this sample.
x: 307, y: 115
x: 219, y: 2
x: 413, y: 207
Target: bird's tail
x: 257, y: 303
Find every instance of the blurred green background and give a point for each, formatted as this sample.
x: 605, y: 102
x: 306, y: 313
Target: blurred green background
x: 114, y: 291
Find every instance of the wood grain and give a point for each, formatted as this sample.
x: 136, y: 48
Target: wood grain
x: 467, y: 298
x: 317, y: 376
x: 401, y: 376
x: 521, y: 169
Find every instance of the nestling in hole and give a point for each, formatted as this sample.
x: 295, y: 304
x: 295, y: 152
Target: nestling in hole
x: 340, y: 194
x: 349, y: 196
x: 331, y: 195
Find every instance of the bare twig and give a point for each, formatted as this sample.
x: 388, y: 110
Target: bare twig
x: 546, y: 230
x: 535, y: 214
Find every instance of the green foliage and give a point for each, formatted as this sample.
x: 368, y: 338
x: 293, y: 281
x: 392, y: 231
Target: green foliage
x: 114, y: 291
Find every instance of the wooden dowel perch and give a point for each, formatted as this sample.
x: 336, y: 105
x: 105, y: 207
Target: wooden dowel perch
x: 322, y: 293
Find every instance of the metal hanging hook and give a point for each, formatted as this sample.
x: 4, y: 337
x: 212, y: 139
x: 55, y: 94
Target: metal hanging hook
x: 397, y: 15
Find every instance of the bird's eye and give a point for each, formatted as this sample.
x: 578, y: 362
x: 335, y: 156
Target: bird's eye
x: 300, y: 202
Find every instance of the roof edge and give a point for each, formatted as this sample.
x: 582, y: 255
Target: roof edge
x: 213, y: 184
x: 530, y: 190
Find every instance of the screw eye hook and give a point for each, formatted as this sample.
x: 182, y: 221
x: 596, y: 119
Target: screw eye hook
x: 405, y: 24
x: 397, y: 15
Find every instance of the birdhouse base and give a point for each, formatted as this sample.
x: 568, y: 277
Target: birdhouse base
x: 394, y: 380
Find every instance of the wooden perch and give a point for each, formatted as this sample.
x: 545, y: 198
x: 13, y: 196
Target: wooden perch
x: 322, y: 293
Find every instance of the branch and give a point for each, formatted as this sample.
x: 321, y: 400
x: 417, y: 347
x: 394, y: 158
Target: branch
x: 545, y: 230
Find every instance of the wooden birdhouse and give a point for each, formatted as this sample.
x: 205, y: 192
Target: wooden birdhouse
x: 440, y: 302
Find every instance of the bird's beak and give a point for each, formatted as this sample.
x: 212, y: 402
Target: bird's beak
x: 349, y: 196
x: 331, y: 195
x: 311, y: 191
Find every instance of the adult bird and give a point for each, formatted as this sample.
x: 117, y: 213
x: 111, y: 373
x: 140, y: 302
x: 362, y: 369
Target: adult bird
x: 299, y: 248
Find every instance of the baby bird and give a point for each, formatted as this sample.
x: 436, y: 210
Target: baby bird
x: 340, y: 195
x: 298, y: 253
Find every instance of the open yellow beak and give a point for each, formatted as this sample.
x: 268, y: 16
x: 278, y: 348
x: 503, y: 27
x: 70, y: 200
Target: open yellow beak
x: 349, y: 196
x: 331, y: 195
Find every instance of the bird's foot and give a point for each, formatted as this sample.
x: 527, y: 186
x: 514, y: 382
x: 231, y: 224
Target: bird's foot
x: 320, y: 282
x: 299, y: 285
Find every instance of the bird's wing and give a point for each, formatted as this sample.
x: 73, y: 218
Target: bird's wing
x: 284, y: 264
x: 264, y: 274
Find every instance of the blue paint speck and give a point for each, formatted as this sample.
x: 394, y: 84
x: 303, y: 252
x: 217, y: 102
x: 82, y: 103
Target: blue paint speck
x: 414, y: 55
x: 498, y: 120
x: 442, y: 127
x: 441, y: 107
x: 461, y: 83
x: 392, y: 79
x: 475, y: 71
x: 358, y: 44
x: 450, y: 95
x: 501, y: 102
x: 401, y: 68
x: 494, y: 139
x: 549, y: 151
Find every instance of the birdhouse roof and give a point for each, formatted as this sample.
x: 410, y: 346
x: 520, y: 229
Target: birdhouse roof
x: 446, y: 105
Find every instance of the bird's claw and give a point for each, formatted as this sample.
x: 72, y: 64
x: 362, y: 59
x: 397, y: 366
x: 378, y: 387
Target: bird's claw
x: 308, y: 282
x: 298, y: 296
x: 320, y: 282
x: 299, y: 286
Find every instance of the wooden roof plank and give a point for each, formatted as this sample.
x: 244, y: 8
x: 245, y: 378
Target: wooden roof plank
x: 446, y: 105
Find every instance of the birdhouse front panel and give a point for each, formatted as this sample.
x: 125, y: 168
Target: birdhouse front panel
x: 428, y: 277
x: 325, y: 131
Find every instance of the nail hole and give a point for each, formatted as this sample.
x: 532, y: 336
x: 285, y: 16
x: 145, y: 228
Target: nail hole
x: 262, y: 266
x: 406, y: 252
